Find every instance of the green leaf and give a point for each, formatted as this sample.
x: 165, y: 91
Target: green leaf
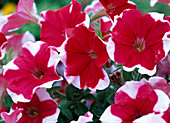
x: 81, y: 109
x: 110, y: 101
x: 70, y: 92
x: 127, y: 75
x: 89, y: 97
x: 66, y: 112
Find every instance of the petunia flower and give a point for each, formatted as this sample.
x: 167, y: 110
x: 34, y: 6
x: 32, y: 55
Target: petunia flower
x: 55, y: 25
x: 95, y: 6
x: 41, y: 109
x: 84, y: 55
x: 139, y: 41
x: 12, y: 116
x: 116, y: 7
x: 160, y: 83
x: 163, y: 67
x: 2, y: 45
x: 138, y: 103
x: 153, y: 2
x: 26, y: 12
x: 88, y: 117
x: 16, y: 41
x: 34, y: 68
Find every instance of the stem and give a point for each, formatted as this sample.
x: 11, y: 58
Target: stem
x: 105, y: 36
x: 59, y: 93
x: 99, y: 14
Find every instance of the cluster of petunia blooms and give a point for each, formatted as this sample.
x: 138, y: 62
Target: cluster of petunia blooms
x: 128, y: 38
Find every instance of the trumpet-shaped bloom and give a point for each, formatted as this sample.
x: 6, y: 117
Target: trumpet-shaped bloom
x: 55, y: 25
x: 163, y: 68
x: 41, y: 109
x: 139, y: 41
x: 35, y: 68
x: 95, y: 6
x: 16, y: 41
x: 25, y: 13
x: 84, y: 54
x: 160, y: 83
x: 11, y: 117
x: 137, y: 102
x: 116, y: 7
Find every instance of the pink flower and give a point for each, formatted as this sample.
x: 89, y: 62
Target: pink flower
x: 139, y: 41
x: 153, y: 2
x: 95, y: 6
x: 2, y: 44
x: 88, y: 117
x: 116, y: 7
x: 12, y: 116
x: 137, y: 102
x: 16, y: 41
x: 84, y: 55
x: 35, y: 68
x: 160, y: 83
x: 40, y: 109
x: 56, y: 24
x: 163, y: 68
x: 25, y: 13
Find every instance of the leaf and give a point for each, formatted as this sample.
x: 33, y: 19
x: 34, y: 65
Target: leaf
x: 70, y: 92
x: 127, y: 75
x: 66, y: 112
x: 110, y: 101
x: 81, y: 109
x: 89, y: 97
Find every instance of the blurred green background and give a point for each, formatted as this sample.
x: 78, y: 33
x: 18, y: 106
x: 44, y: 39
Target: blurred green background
x: 142, y: 5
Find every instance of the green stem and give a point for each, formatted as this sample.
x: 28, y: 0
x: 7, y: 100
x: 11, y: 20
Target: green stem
x: 105, y: 36
x: 59, y: 93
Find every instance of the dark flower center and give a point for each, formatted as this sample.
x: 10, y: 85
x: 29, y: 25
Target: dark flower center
x: 138, y: 115
x: 93, y: 55
x: 38, y: 73
x: 139, y: 44
x: 32, y: 111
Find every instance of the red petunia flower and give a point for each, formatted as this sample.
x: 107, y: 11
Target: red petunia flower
x: 116, y: 7
x: 138, y: 103
x: 56, y: 24
x: 41, y: 109
x: 139, y: 41
x: 26, y: 12
x: 35, y: 68
x: 2, y: 45
x: 84, y: 54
